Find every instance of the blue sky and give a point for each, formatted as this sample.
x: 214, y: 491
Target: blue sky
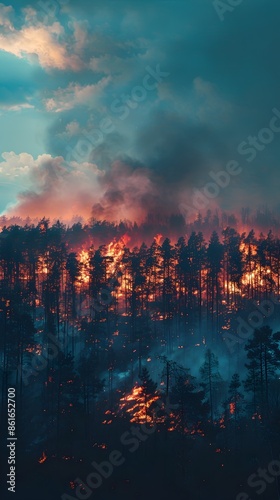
x: 80, y: 132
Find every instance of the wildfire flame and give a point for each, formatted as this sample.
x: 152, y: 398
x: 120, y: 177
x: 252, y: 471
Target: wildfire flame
x: 157, y: 238
x: 115, y: 250
x: 232, y: 408
x: 138, y: 411
x: 43, y: 458
x: 84, y: 260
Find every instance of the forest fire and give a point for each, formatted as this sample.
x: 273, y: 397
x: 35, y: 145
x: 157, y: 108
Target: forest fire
x: 140, y: 250
x: 192, y: 278
x: 138, y: 405
x: 83, y: 258
x: 240, y: 277
x: 118, y: 257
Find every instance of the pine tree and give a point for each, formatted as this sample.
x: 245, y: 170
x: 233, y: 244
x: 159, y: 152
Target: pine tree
x: 263, y: 354
x: 211, y: 379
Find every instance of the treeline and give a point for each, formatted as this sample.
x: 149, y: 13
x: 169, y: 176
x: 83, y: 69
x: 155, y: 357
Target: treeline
x: 173, y: 226
x: 189, y: 285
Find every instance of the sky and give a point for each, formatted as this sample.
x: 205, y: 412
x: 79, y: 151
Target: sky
x: 117, y: 109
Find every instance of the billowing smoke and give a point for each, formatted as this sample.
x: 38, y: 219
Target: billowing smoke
x: 55, y: 189
x: 169, y: 166
x: 170, y: 158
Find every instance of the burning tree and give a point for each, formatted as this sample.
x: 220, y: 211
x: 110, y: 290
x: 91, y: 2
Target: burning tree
x: 235, y: 397
x: 139, y: 404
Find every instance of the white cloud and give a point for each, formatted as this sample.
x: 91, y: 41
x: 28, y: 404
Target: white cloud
x: 75, y: 95
x: 15, y: 165
x: 15, y: 107
x: 40, y: 41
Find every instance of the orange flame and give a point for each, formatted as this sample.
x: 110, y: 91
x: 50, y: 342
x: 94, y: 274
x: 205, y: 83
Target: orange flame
x: 232, y: 408
x: 140, y: 405
x: 43, y: 458
x: 157, y: 238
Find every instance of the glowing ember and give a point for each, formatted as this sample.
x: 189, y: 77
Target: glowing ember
x: 232, y: 408
x: 222, y: 423
x: 43, y: 458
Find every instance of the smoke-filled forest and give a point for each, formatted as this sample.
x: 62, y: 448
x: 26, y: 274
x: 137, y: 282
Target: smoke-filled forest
x: 139, y: 250
x: 166, y: 353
